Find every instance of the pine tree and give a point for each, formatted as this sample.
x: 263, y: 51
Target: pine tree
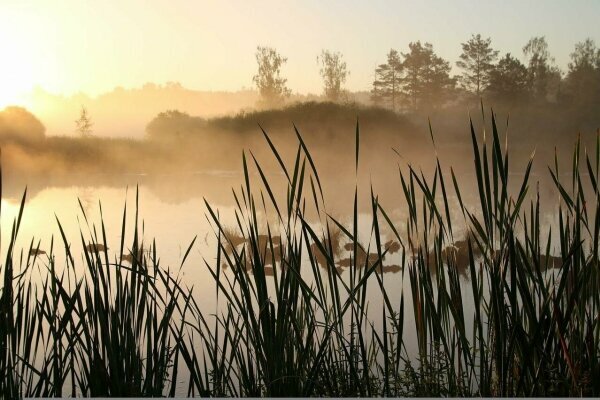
x: 388, y: 81
x: 477, y: 61
x: 427, y: 80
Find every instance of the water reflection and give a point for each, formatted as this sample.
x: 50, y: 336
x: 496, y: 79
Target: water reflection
x: 175, y: 225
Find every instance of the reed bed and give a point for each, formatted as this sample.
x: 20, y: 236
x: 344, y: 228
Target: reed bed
x: 290, y: 323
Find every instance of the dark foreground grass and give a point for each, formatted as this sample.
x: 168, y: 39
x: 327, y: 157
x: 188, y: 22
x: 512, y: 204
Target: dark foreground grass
x: 286, y: 326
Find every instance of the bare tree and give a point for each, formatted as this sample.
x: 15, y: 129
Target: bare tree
x: 268, y: 80
x: 334, y: 73
x: 83, y: 125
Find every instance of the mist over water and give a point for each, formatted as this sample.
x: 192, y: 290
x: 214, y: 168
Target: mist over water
x: 196, y: 182
x: 299, y: 199
x: 183, y: 160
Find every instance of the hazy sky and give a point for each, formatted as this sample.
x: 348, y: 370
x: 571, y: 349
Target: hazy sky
x: 67, y: 46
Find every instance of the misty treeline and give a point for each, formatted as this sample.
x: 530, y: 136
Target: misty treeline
x: 419, y: 79
x: 407, y: 80
x: 548, y: 109
x: 545, y: 101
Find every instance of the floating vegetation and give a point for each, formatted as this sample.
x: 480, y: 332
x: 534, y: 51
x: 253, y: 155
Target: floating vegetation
x: 294, y: 318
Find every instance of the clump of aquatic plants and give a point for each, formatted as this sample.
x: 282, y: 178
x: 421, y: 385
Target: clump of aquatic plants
x: 291, y: 321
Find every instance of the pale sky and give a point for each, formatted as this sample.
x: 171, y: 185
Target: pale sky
x: 66, y: 46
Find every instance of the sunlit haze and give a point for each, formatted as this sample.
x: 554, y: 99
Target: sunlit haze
x: 71, y: 46
x: 316, y: 198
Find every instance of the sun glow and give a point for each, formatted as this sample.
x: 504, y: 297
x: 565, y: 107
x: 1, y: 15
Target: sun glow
x: 11, y: 95
x: 19, y: 51
x: 15, y: 75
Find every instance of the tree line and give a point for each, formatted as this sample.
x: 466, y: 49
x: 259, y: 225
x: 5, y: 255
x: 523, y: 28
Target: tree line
x: 419, y: 79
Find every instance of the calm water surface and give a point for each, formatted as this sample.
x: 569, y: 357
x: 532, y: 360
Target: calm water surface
x: 173, y: 215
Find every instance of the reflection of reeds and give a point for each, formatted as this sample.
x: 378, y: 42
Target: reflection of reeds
x: 293, y: 325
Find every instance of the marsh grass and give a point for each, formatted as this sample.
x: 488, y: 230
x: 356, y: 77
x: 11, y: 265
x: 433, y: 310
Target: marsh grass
x: 106, y: 329
x: 290, y: 323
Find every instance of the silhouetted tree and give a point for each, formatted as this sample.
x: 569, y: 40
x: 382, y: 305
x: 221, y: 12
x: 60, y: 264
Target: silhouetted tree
x: 388, y: 81
x: 583, y: 79
x: 427, y: 80
x: 477, y: 61
x: 585, y: 56
x: 334, y: 73
x: 508, y: 81
x: 271, y: 85
x: 83, y: 125
x: 544, y: 77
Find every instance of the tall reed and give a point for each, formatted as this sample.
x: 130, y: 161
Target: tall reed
x: 97, y: 328
x: 290, y: 322
x: 308, y: 330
